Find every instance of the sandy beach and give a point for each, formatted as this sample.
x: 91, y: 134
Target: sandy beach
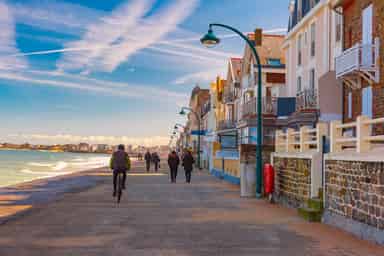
x: 21, y: 198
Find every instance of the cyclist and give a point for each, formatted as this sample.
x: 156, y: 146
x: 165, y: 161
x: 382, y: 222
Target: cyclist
x: 119, y: 162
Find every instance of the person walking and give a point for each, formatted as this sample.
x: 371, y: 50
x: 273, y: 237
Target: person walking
x: 119, y: 162
x: 173, y: 162
x: 188, y: 162
x: 148, y: 158
x: 156, y: 160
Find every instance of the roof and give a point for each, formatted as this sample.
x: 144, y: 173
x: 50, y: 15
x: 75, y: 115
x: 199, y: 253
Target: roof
x: 270, y: 49
x: 201, y: 94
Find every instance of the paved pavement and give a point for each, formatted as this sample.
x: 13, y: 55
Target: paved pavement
x: 156, y: 217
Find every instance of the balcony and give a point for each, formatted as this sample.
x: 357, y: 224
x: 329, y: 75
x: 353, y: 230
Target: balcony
x: 269, y: 107
x: 226, y: 124
x: 360, y: 61
x: 229, y: 96
x: 307, y: 100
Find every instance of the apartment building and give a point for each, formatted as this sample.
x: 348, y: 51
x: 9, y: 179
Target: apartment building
x: 273, y: 83
x: 314, y: 39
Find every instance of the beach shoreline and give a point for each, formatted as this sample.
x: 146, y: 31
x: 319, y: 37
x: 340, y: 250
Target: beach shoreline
x: 19, y: 199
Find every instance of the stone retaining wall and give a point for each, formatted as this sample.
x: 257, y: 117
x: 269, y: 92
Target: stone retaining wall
x: 292, y: 180
x: 355, y: 191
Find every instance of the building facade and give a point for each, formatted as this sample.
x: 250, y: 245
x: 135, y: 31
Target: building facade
x: 314, y: 39
x: 361, y: 64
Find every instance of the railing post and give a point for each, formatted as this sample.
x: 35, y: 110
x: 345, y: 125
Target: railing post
x: 304, y: 137
x: 277, y: 141
x: 335, y: 135
x: 290, y: 146
x: 321, y: 130
x: 362, y: 131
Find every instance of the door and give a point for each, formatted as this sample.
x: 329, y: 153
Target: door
x: 367, y: 54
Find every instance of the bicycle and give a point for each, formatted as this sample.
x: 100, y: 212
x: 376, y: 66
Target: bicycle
x: 120, y: 185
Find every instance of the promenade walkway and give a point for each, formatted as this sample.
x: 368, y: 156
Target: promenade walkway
x: 155, y: 217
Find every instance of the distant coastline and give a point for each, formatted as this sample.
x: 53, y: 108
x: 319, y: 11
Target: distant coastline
x: 52, y: 151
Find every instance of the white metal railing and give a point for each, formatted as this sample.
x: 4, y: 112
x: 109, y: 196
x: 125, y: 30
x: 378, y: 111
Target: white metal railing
x: 361, y: 139
x: 306, y: 100
x: 269, y: 106
x: 304, y: 140
x: 359, y: 57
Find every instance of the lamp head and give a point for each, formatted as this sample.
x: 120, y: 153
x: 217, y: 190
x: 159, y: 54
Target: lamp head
x: 210, y: 39
x: 182, y: 112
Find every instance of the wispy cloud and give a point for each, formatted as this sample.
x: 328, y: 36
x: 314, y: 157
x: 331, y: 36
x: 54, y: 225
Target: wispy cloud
x: 93, y: 139
x: 199, y: 77
x: 105, y: 33
x: 77, y: 82
x: 58, y: 16
x: 128, y: 33
x: 7, y: 40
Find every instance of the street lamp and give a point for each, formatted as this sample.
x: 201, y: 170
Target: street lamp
x: 210, y: 40
x: 182, y: 112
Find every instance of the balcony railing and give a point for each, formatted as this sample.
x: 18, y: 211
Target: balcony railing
x: 229, y: 96
x: 361, y: 57
x: 226, y: 124
x: 269, y: 106
x: 307, y: 100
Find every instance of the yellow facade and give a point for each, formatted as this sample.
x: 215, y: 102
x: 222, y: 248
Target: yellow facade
x: 231, y: 167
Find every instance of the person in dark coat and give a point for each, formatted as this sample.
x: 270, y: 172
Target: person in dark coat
x: 173, y: 162
x: 156, y: 161
x: 119, y: 162
x: 148, y: 158
x: 188, y: 162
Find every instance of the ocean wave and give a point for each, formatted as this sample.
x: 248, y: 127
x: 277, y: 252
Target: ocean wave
x: 40, y: 164
x: 59, y: 166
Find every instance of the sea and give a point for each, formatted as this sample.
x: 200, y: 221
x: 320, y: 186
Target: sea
x: 18, y: 166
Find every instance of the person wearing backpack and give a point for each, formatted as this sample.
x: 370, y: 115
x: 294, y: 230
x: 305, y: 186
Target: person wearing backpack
x: 119, y: 162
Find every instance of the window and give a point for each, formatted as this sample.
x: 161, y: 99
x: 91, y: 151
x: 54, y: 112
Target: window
x: 299, y: 53
x: 367, y: 102
x: 274, y: 62
x: 312, y: 81
x: 350, y: 105
x: 338, y: 26
x: 298, y: 84
x: 313, y: 39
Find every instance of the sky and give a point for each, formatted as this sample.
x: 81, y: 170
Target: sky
x: 115, y: 71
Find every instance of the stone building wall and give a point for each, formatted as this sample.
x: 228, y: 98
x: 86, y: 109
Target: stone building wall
x: 292, y: 180
x: 355, y: 191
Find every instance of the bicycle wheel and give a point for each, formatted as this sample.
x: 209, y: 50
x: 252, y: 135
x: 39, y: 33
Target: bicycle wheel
x: 120, y: 187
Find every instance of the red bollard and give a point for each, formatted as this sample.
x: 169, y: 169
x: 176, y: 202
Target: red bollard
x: 269, y: 179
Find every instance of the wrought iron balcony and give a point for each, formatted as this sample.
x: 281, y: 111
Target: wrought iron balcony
x: 307, y: 100
x: 361, y: 60
x: 269, y: 107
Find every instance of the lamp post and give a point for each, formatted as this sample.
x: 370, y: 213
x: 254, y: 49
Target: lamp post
x: 182, y: 112
x: 210, y: 40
